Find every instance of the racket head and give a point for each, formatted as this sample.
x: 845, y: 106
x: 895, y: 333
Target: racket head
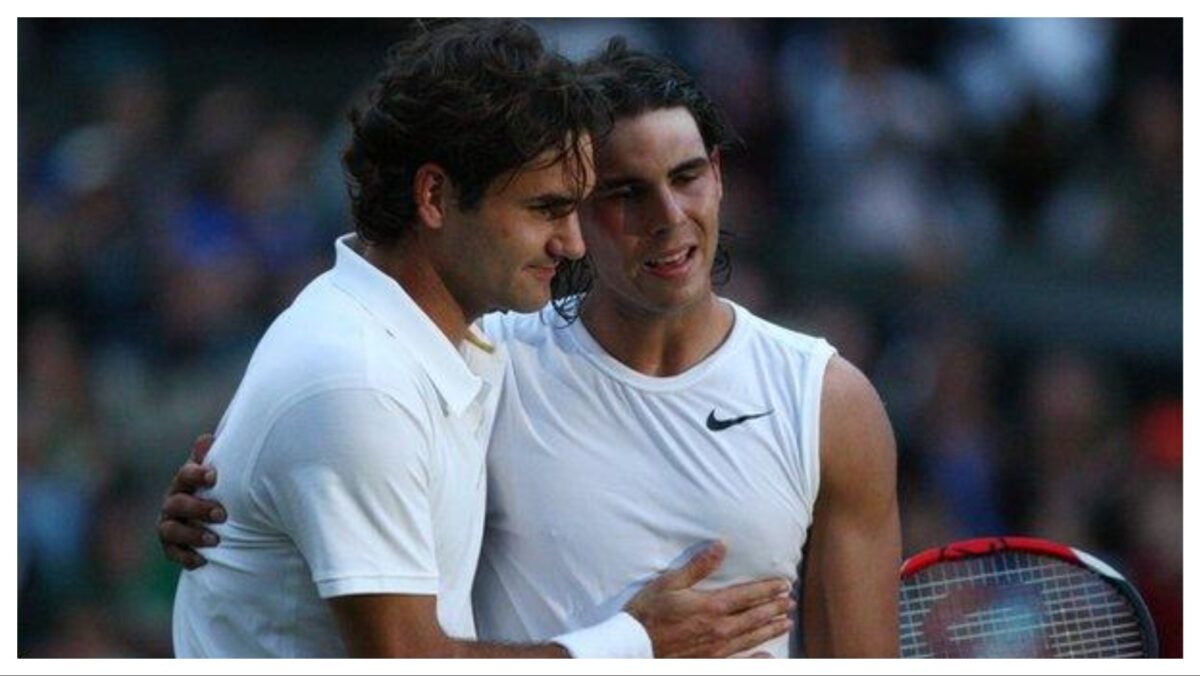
x: 1019, y: 597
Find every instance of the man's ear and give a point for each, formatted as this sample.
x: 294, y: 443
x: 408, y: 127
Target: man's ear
x: 431, y: 193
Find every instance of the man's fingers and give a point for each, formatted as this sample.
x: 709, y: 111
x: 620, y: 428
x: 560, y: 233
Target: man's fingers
x: 699, y: 567
x: 200, y: 447
x: 184, y: 507
x: 185, y: 534
x: 752, y: 627
x: 747, y: 595
x: 192, y: 477
x: 727, y: 642
x: 755, y: 638
x: 757, y: 617
x: 187, y: 558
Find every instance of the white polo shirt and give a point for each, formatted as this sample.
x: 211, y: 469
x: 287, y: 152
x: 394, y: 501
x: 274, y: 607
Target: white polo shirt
x: 351, y: 461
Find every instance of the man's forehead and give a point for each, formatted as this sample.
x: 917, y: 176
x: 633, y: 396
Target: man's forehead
x: 662, y: 137
x: 555, y: 174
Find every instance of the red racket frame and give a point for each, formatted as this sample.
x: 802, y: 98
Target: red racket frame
x: 978, y: 547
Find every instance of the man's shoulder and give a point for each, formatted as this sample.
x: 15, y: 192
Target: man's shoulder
x: 855, y: 431
x: 323, y: 342
x: 846, y: 388
x: 781, y: 337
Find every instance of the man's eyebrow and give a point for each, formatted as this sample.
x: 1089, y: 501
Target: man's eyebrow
x: 619, y: 181
x: 616, y: 182
x: 551, y: 199
x: 689, y: 165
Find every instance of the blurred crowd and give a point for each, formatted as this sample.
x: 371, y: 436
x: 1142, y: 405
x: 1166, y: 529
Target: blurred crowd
x: 984, y: 215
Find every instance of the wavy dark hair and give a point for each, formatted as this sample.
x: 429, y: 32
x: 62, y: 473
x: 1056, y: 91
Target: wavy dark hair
x: 480, y: 98
x: 635, y: 82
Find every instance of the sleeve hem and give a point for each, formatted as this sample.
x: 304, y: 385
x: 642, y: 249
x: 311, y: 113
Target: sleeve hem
x: 377, y: 584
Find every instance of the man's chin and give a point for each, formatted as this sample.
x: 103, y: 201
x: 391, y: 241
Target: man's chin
x: 530, y: 302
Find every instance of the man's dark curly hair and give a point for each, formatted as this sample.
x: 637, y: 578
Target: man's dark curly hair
x: 635, y: 82
x: 480, y: 98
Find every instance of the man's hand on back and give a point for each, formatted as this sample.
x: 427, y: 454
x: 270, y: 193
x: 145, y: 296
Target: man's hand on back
x: 180, y: 524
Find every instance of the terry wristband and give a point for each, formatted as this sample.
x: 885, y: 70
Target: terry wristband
x: 618, y: 636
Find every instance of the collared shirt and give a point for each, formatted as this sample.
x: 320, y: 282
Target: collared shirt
x: 351, y: 461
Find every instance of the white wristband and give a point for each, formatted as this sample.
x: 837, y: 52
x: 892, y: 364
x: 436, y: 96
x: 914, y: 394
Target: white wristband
x: 618, y: 636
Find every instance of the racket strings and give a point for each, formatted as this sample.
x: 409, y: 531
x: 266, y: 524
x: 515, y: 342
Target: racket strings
x: 1015, y: 603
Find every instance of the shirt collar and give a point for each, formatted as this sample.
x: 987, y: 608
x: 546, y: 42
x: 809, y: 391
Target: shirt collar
x: 390, y: 304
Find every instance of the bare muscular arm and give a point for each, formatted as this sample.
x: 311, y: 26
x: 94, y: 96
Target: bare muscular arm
x: 851, y: 584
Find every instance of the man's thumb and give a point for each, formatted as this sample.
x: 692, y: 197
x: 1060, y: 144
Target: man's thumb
x: 700, y: 566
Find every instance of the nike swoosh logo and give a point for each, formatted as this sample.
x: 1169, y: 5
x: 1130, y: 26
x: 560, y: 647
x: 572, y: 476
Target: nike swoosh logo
x: 716, y: 425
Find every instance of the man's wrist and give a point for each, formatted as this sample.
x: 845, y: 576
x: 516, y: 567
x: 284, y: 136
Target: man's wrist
x: 620, y: 636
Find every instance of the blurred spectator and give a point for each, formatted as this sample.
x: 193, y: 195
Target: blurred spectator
x: 959, y: 431
x: 1155, y: 494
x: 1077, y: 449
x: 889, y: 184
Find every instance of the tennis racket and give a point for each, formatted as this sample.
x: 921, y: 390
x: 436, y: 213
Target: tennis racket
x: 1019, y: 597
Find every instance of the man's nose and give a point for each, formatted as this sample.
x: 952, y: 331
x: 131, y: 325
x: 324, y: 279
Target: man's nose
x: 567, y: 242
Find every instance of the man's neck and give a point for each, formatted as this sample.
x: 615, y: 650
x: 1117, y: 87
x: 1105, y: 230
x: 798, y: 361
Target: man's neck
x: 657, y: 344
x: 414, y: 273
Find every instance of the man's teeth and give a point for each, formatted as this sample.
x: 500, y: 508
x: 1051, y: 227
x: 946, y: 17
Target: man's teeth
x: 668, y: 260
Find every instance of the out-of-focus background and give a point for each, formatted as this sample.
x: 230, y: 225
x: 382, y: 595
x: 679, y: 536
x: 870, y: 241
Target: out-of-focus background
x: 984, y: 215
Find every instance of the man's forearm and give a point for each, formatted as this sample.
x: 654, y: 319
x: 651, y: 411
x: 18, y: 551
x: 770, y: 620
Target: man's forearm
x: 489, y: 650
x: 397, y: 625
x: 441, y: 646
x: 619, y: 636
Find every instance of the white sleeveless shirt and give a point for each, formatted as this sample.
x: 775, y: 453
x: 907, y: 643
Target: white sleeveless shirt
x: 601, y: 477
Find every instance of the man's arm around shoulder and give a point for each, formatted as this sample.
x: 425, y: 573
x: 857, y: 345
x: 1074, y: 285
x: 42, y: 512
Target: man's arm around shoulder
x: 395, y: 625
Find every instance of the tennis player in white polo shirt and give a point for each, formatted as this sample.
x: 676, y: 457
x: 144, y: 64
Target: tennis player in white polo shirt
x: 352, y: 455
